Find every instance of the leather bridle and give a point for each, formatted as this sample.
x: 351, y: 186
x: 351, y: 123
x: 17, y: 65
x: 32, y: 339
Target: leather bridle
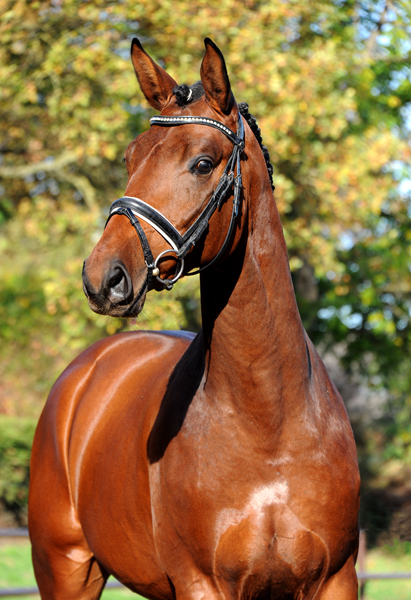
x: 134, y: 208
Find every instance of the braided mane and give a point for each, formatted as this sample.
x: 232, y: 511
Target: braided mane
x: 252, y: 123
x: 182, y: 94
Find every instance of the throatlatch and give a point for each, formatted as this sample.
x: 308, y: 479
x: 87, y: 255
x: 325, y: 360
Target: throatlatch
x: 134, y: 208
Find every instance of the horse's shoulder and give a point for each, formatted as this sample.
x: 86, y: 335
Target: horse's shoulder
x: 124, y: 374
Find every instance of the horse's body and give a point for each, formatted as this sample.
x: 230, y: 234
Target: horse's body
x: 219, y: 467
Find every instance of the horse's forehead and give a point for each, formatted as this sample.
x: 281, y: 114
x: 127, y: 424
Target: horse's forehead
x: 144, y: 142
x: 174, y: 142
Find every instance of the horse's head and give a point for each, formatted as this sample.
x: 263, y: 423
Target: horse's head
x: 182, y: 175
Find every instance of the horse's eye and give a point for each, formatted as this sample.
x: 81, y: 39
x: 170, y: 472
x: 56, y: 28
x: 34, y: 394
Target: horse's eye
x: 204, y: 166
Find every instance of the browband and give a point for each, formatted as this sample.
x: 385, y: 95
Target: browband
x: 181, y: 244
x: 185, y: 119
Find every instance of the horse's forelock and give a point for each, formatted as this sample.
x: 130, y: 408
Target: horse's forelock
x: 186, y: 94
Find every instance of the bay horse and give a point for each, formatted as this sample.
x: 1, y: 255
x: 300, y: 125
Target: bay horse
x: 220, y: 465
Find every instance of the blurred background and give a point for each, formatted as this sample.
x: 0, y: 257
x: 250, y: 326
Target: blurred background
x: 330, y: 85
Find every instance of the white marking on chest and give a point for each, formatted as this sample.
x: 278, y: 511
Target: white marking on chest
x: 267, y: 495
x: 274, y: 493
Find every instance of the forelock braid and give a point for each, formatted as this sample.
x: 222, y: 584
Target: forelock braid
x: 252, y: 123
x: 185, y: 94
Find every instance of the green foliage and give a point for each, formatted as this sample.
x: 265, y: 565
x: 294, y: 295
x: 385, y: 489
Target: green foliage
x: 368, y: 311
x: 16, y: 437
x: 67, y: 113
x: 398, y: 549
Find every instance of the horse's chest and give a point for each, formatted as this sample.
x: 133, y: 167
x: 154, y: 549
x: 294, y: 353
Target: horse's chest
x: 221, y: 509
x: 257, y: 546
x: 265, y: 545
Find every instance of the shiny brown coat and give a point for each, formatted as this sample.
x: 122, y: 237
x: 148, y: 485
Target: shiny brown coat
x: 217, y: 467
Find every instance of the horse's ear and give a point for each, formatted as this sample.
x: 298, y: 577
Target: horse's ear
x: 215, y: 79
x: 156, y: 85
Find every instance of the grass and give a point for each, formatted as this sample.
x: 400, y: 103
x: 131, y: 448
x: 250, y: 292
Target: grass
x: 16, y: 571
x: 389, y: 559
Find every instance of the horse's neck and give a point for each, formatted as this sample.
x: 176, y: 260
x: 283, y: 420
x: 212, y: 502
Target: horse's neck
x: 256, y: 354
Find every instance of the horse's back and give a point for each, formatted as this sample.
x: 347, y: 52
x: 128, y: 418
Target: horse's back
x: 94, y: 430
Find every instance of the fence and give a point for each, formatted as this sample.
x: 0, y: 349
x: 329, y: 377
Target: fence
x: 32, y: 591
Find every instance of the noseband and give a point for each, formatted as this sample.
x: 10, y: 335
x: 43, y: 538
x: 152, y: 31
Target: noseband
x: 134, y: 208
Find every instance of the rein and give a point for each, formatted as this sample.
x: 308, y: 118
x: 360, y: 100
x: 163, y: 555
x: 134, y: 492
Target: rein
x: 134, y: 208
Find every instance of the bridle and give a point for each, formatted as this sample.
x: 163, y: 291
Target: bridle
x: 134, y: 208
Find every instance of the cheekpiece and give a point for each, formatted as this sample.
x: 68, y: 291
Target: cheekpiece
x: 135, y: 208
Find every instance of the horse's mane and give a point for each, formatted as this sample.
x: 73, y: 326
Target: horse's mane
x: 252, y: 123
x: 182, y: 94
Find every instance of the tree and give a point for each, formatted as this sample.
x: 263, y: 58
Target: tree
x: 67, y: 113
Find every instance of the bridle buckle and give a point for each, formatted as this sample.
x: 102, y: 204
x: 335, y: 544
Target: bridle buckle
x: 168, y: 283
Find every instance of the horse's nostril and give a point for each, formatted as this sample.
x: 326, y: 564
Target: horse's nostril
x: 118, y: 288
x: 117, y: 279
x: 118, y: 285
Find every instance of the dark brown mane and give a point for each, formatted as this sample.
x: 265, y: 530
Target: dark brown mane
x: 253, y: 125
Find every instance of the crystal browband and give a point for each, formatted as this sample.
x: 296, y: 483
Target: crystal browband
x: 184, y: 120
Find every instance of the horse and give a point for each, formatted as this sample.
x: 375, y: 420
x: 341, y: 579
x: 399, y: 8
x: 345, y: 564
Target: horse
x: 215, y: 466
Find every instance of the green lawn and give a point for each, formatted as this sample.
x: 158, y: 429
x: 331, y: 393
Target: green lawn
x: 16, y: 571
x: 389, y: 560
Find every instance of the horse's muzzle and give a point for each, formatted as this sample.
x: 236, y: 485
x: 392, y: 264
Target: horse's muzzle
x: 116, y: 294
